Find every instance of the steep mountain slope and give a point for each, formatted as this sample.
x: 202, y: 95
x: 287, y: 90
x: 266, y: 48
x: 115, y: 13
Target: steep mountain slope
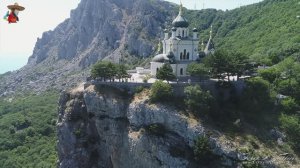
x: 99, y: 29
x: 267, y: 31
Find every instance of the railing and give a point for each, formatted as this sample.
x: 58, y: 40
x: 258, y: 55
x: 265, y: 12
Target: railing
x: 178, y: 88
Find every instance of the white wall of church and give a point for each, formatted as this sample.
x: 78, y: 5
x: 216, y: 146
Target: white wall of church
x: 185, y: 50
x: 166, y: 46
x: 178, y: 46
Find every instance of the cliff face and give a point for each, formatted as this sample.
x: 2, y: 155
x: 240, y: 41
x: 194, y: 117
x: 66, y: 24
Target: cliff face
x: 104, y: 128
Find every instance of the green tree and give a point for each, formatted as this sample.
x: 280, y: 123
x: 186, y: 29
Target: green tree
x: 112, y: 70
x: 256, y: 97
x: 238, y: 64
x: 121, y: 72
x: 223, y: 63
x: 165, y: 73
x: 98, y: 70
x: 105, y: 70
x: 218, y: 63
x: 197, y: 100
x: 197, y: 70
x: 160, y: 91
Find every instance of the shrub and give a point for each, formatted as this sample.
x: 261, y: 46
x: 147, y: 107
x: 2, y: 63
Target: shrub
x: 291, y: 126
x: 252, y: 164
x: 139, y: 89
x: 160, y: 91
x: 77, y: 133
x: 289, y: 105
x: 197, y: 100
x: 202, y: 150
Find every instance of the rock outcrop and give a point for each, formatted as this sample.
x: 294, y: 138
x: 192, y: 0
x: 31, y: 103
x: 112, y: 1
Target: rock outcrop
x: 105, y: 128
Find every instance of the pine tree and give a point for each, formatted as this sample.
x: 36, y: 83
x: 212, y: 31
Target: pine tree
x: 165, y: 73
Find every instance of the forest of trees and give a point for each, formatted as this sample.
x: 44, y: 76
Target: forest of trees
x: 266, y: 32
x: 28, y: 131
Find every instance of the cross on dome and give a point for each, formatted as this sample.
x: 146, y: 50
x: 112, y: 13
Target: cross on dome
x: 180, y: 21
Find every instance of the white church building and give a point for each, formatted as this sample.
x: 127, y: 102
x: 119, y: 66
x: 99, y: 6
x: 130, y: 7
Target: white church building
x: 180, y: 49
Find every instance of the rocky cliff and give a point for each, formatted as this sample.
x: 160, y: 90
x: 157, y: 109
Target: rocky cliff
x: 103, y: 127
x: 101, y: 28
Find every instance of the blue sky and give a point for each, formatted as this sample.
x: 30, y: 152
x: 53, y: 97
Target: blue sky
x: 17, y: 40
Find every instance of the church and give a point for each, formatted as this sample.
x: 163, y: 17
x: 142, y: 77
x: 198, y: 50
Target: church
x: 180, y: 49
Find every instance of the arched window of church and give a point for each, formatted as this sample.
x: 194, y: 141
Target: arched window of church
x: 188, y: 55
x: 181, y: 71
x: 182, y: 33
x: 181, y: 56
x: 157, y: 69
x: 184, y: 54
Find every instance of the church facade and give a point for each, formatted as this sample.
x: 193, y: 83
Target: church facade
x: 180, y: 49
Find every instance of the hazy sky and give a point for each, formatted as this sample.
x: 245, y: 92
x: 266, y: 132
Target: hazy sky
x: 17, y: 40
x: 218, y: 4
